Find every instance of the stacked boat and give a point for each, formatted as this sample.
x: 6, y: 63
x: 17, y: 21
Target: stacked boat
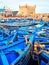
x: 13, y: 48
x: 41, y: 35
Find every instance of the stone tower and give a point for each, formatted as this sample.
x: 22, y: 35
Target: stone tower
x: 27, y: 11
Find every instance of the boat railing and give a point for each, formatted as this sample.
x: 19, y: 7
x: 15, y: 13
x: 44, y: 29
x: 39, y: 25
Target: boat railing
x: 22, y: 56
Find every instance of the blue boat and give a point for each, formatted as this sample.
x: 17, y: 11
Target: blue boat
x: 43, y: 57
x: 13, y: 50
x: 16, y: 56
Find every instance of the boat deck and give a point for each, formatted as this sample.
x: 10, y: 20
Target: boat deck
x: 15, y: 48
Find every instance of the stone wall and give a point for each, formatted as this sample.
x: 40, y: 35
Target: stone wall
x: 25, y: 11
x: 43, y: 16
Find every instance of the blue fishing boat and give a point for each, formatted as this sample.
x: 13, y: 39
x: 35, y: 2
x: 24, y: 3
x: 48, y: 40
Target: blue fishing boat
x: 42, y: 57
x: 13, y: 49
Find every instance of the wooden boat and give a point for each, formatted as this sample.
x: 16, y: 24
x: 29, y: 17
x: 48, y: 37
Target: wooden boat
x: 43, y: 57
x: 14, y: 51
x: 16, y: 23
x: 21, y: 22
x: 16, y: 56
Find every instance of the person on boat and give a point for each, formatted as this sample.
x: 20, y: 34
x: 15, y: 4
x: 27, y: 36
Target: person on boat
x: 31, y: 42
x: 38, y: 46
x: 26, y: 39
x: 29, y: 39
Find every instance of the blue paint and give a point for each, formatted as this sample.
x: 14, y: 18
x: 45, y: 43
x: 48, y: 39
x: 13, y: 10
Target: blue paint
x: 11, y: 56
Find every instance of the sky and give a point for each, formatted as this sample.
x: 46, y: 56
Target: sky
x: 42, y: 6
